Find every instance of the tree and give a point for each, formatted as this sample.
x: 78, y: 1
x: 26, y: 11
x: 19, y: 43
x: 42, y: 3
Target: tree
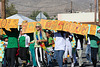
x: 35, y: 13
x: 10, y: 10
x: 46, y: 15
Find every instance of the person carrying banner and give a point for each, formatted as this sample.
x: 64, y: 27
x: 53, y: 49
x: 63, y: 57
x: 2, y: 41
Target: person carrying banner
x: 68, y: 48
x: 24, y: 42
x: 5, y: 38
x: 88, y: 50
x: 50, y: 42
x: 98, y: 35
x: 95, y: 41
x: 12, y: 45
x: 94, y: 48
x: 73, y: 42
x: 39, y: 38
x: 60, y: 44
x: 79, y: 47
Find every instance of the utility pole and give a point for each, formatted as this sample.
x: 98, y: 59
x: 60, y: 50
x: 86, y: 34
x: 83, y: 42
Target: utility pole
x: 95, y: 11
x: 71, y: 6
x: 99, y: 10
x: 3, y: 9
x: 91, y: 7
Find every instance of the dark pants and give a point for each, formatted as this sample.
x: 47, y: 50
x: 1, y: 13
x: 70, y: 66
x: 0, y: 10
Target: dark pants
x: 24, y: 53
x: 11, y: 54
x: 94, y: 52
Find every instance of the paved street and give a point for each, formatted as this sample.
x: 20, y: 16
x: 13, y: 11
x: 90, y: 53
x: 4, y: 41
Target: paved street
x: 84, y: 60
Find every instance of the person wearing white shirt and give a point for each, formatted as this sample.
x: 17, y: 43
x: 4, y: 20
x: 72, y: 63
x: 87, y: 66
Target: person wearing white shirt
x: 68, y: 49
x: 79, y: 47
x: 24, y: 42
x: 59, y: 47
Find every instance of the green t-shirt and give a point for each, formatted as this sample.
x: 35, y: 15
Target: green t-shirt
x: 93, y: 41
x: 49, y: 41
x: 12, y: 38
x: 22, y: 41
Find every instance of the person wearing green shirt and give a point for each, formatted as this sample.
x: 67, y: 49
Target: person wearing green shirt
x: 98, y: 35
x: 24, y: 42
x: 5, y: 38
x: 12, y: 45
x: 94, y: 48
x: 50, y: 42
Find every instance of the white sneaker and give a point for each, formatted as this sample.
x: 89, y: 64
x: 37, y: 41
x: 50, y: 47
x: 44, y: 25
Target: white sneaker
x: 72, y: 64
x: 87, y: 61
x: 91, y: 63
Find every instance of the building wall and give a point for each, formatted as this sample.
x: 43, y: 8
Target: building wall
x: 78, y: 17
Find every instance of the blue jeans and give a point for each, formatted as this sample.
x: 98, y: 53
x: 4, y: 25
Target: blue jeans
x: 88, y: 53
x: 74, y: 54
x: 54, y: 56
x: 59, y: 57
x: 49, y: 58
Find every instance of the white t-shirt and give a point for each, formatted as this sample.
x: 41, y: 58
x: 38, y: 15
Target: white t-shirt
x: 78, y: 44
x: 59, y: 42
x: 68, y: 43
x: 88, y: 41
x: 27, y: 39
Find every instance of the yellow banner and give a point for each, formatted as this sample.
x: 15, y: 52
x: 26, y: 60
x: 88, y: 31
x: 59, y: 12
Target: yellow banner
x: 72, y: 28
x: 54, y: 25
x: 48, y: 24
x: 60, y: 25
x: 43, y: 23
x: 85, y: 29
x: 77, y: 28
x: 66, y: 26
x: 8, y: 23
x: 28, y: 27
x: 93, y: 29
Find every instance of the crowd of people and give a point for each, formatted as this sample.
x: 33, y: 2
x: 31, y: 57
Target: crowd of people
x: 59, y: 46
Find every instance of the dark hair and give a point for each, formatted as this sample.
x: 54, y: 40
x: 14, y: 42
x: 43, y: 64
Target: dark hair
x: 49, y: 32
x: 62, y: 33
x: 67, y: 34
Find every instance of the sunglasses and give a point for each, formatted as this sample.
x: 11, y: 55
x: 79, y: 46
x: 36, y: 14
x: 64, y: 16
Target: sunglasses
x: 37, y: 26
